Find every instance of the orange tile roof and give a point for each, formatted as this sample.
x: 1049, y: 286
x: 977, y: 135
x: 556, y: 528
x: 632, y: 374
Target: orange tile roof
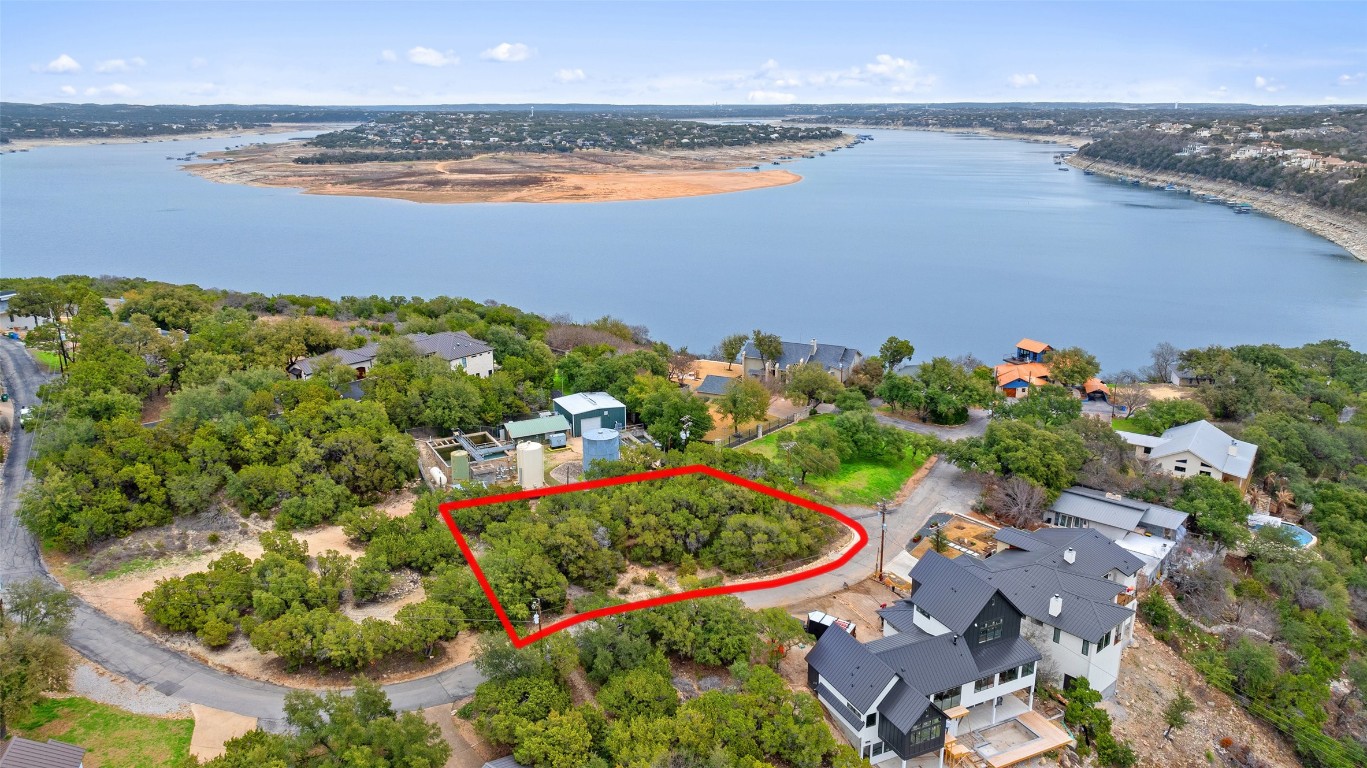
x: 1095, y: 385
x: 1035, y: 374
x: 1030, y: 345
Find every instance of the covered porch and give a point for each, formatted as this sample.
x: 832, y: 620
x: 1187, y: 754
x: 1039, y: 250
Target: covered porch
x: 1014, y: 735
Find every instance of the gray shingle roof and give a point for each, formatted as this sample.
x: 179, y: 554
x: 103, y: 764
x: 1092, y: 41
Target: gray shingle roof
x: 1210, y: 444
x: 831, y: 356
x: 850, y: 668
x: 448, y: 345
x: 714, y: 385
x: 26, y: 753
x: 940, y: 587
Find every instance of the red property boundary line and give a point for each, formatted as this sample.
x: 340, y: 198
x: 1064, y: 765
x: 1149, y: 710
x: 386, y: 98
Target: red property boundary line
x: 520, y: 641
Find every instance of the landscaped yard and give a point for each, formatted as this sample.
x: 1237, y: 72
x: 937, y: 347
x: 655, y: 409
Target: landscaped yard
x: 858, y: 481
x: 48, y: 359
x: 1125, y: 425
x: 112, y: 738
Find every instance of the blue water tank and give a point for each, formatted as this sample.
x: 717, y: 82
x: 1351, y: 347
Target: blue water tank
x: 604, y: 444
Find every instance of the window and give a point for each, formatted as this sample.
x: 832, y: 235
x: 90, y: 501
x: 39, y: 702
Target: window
x: 856, y: 712
x: 877, y: 748
x: 1148, y: 451
x: 1010, y: 674
x: 1104, y: 641
x: 1179, y: 469
x: 871, y: 720
x: 990, y: 630
x: 1057, y: 632
x: 1027, y: 669
x: 1180, y: 461
x: 948, y: 699
x: 926, y: 731
x: 1086, y: 648
x: 985, y: 683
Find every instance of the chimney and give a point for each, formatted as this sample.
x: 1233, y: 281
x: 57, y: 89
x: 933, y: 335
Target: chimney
x: 1056, y: 605
x: 954, y: 640
x: 1233, y: 447
x: 1070, y: 555
x: 813, y: 346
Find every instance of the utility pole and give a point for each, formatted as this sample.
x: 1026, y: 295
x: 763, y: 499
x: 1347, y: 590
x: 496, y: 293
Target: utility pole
x: 536, y: 613
x: 882, y: 533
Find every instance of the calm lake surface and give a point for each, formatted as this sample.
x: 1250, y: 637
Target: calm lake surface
x: 959, y: 244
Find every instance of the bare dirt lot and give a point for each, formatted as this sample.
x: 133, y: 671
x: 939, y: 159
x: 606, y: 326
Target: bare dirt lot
x: 1150, y: 675
x: 587, y: 176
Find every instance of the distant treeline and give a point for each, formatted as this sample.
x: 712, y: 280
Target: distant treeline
x: 1152, y: 151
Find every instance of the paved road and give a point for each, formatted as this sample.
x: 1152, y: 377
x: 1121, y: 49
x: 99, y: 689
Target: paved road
x: 946, y: 488
x: 118, y: 648
x: 976, y: 426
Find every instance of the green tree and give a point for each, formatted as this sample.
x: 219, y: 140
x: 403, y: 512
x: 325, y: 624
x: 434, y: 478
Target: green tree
x: 1046, y: 458
x: 1162, y: 415
x: 1072, y: 366
x: 39, y: 606
x: 30, y: 665
x: 1217, y: 508
x: 816, y: 451
x: 1175, y: 714
x: 743, y: 400
x: 1048, y: 406
x: 731, y: 347
x: 769, y: 346
x: 810, y: 382
x: 894, y: 352
x: 429, y: 622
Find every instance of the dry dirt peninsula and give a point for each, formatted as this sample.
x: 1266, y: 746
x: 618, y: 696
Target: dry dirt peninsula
x: 584, y: 176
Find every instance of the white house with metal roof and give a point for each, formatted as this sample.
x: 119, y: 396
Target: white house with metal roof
x: 1073, y: 588
x: 460, y: 350
x: 1198, y: 448
x: 1147, y: 531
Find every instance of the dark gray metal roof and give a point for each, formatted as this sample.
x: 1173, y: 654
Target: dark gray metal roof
x: 845, y: 714
x: 940, y: 587
x: 714, y: 385
x: 1116, y: 511
x: 1000, y: 656
x: 1015, y: 537
x: 850, y: 669
x: 1089, y: 608
x: 1096, y: 554
x: 900, y: 616
x: 26, y: 753
x: 903, y: 706
x: 934, y: 664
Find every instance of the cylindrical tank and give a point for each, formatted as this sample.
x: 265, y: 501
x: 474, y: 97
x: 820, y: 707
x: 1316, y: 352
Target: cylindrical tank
x: 531, y: 465
x: 438, y: 476
x: 460, y: 466
x: 601, y: 444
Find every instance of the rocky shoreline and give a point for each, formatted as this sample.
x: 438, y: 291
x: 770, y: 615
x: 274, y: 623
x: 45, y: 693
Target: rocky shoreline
x: 1343, y: 229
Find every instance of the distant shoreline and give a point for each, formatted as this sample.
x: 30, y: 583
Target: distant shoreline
x: 1345, y: 230
x: 68, y: 141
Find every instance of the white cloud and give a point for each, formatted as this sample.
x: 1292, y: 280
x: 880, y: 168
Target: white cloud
x: 60, y: 65
x: 894, y: 73
x: 68, y: 90
x: 1266, y: 84
x: 199, y: 62
x: 770, y: 97
x: 769, y: 65
x: 1023, y: 81
x: 429, y: 57
x: 1347, y: 80
x: 120, y: 65
x: 117, y: 89
x: 508, y: 52
x: 569, y: 75
x: 388, y: 55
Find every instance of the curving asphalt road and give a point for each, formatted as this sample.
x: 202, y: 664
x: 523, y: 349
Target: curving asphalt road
x: 117, y: 647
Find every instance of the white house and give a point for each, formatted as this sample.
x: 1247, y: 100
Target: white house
x: 459, y: 349
x: 1072, y: 588
x: 1147, y: 531
x: 1198, y: 448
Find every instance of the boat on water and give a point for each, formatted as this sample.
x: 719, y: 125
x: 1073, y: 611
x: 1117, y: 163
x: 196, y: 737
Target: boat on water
x: 1134, y: 182
x: 1086, y: 172
x: 1061, y: 168
x: 823, y: 154
x: 1170, y: 188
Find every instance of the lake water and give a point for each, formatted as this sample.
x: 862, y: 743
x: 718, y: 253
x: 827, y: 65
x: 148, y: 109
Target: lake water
x: 959, y: 244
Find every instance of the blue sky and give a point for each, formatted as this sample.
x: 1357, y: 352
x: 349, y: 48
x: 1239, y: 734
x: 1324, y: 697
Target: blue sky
x: 681, y: 53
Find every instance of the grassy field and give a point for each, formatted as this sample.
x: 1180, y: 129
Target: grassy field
x: 112, y: 737
x: 1124, y: 425
x: 48, y: 359
x: 858, y: 482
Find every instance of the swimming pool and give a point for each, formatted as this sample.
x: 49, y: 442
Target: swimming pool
x: 1302, y: 536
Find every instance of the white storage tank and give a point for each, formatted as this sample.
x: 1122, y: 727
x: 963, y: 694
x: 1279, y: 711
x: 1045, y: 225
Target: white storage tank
x: 531, y: 465
x: 601, y: 444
